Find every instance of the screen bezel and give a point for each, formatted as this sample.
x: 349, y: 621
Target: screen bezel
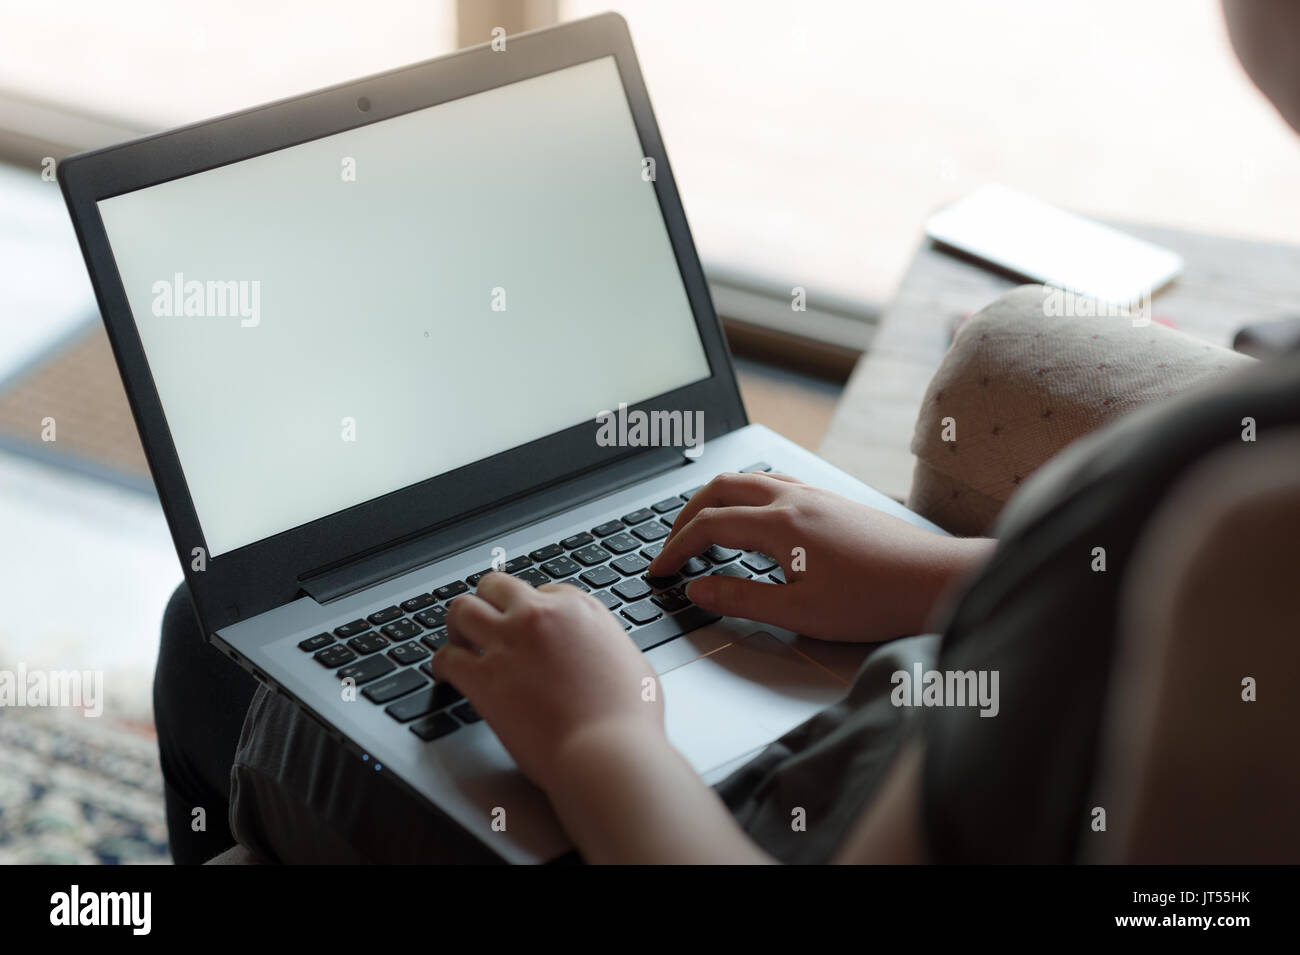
x: 264, y: 574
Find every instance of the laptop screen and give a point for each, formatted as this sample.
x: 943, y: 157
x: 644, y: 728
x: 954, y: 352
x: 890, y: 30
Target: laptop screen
x: 344, y: 318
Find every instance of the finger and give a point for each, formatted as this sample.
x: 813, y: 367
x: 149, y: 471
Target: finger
x: 502, y: 590
x: 473, y: 621
x: 777, y: 604
x: 462, y: 668
x: 748, y: 528
x: 727, y: 490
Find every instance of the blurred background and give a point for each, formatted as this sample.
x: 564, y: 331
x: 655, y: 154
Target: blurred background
x: 809, y: 141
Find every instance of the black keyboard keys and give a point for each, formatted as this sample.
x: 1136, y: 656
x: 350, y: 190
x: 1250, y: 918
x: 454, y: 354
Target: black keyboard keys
x: 642, y: 612
x: 667, y: 505
x: 547, y: 552
x: 368, y: 643
x: 436, y: 639
x: 631, y: 589
x: 561, y: 567
x: 577, y: 540
x: 621, y: 543
x: 385, y: 615
x: 671, y: 600
x: 533, y: 576
x: 720, y: 555
x: 758, y: 563
x: 418, y: 602
x: 638, y: 516
x: 438, y: 725
x: 599, y: 577
x: 432, y: 618
x: 392, y: 687
x: 403, y: 629
x: 630, y: 564
x: 351, y: 629
x: 408, y: 653
x: 651, y: 532
x: 466, y: 713
x: 591, y: 555
x: 312, y: 644
x: 732, y: 570
x: 371, y: 668
x: 453, y: 589
x: 334, y: 656
x: 609, y: 527
x: 608, y: 599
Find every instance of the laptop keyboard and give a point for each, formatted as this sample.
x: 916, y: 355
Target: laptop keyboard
x: 387, y: 653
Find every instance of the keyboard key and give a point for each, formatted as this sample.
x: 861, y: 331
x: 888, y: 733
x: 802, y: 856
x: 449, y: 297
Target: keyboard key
x: 385, y: 615
x: 621, y: 543
x: 694, y: 566
x: 758, y: 563
x: 455, y: 588
x: 760, y: 466
x: 466, y: 713
x: 591, y: 555
x: 561, y: 567
x: 720, y: 555
x: 438, y: 725
x: 516, y: 564
x: 577, y: 540
x: 534, y: 576
x: 663, y: 583
x: 368, y: 643
x: 630, y: 564
x: 651, y: 532
x: 778, y: 576
x: 418, y: 602
x: 608, y: 599
x: 436, y: 639
x: 408, y: 653
x: 671, y: 600
x: 409, y: 707
x: 631, y: 589
x: 609, y: 527
x: 334, y: 656
x: 444, y: 694
x: 474, y: 578
x: 639, y: 516
x: 651, y: 552
x: 666, y: 505
x: 642, y: 612
x: 312, y: 644
x: 600, y: 576
x: 732, y: 570
x: 687, y: 495
x: 575, y: 582
x: 403, y: 629
x: 371, y: 668
x: 391, y: 688
x: 351, y: 629
x: 547, y: 552
x: 433, y: 618
x: 669, y: 627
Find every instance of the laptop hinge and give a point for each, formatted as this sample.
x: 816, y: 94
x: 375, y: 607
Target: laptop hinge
x: 472, y: 530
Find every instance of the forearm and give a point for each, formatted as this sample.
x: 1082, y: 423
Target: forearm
x: 627, y: 796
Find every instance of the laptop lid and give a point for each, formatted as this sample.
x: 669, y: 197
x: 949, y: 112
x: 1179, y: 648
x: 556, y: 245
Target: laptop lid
x: 351, y: 318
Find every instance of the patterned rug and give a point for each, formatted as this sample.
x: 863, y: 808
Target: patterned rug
x: 78, y: 790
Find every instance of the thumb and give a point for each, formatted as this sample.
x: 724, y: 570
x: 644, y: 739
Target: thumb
x: 732, y: 597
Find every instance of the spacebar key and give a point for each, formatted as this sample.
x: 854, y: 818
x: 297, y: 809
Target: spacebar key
x: 666, y: 628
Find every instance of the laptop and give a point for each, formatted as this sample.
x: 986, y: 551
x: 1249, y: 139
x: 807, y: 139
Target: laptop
x: 382, y: 338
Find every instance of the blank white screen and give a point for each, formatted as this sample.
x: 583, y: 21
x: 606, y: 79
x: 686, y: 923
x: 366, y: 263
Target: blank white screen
x: 376, y: 298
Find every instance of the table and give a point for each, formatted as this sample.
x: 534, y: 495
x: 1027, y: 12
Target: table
x: 1225, y: 284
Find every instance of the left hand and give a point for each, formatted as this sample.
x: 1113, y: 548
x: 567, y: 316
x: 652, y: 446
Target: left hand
x: 545, y: 667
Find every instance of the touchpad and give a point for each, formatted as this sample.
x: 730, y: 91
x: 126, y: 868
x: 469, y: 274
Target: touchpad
x: 742, y: 697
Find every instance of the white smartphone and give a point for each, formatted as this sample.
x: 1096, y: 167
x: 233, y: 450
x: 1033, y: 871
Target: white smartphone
x: 1042, y: 243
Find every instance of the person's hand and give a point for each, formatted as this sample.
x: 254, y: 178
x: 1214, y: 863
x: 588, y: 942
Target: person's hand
x: 854, y: 573
x: 546, y: 668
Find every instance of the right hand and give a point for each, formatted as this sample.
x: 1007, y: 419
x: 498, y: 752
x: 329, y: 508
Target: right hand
x: 854, y: 573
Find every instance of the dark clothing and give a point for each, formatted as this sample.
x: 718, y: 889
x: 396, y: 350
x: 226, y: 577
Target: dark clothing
x: 1015, y: 788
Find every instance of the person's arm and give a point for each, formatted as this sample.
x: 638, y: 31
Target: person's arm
x: 579, y: 707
